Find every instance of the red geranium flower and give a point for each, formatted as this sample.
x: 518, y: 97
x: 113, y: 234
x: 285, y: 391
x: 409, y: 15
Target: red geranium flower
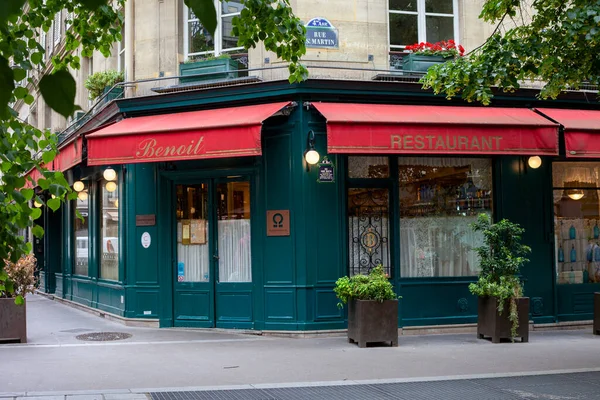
x: 444, y: 48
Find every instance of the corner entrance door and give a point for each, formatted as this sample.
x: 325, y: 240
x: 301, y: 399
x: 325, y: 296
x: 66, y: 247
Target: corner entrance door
x: 213, y: 267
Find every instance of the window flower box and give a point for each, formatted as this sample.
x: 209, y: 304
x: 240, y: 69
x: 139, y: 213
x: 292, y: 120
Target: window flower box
x: 216, y: 69
x: 424, y: 55
x: 420, y: 63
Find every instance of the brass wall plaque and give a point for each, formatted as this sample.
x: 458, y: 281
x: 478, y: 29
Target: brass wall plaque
x: 278, y: 222
x: 145, y: 220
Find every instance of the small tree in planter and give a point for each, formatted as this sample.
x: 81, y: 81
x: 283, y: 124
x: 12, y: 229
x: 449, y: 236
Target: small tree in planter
x: 100, y: 83
x: 16, y: 281
x: 372, y: 307
x: 502, y: 311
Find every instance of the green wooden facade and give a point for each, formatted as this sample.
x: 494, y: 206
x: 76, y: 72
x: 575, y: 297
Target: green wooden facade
x: 292, y: 276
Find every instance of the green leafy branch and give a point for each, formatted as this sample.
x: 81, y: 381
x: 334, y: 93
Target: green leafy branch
x: 560, y: 47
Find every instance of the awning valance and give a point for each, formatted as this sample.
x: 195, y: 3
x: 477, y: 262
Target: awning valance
x: 404, y: 129
x: 69, y: 155
x: 218, y: 133
x: 582, y: 130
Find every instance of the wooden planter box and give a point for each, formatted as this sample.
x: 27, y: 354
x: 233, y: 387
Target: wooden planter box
x: 13, y: 321
x: 491, y: 324
x: 225, y: 68
x: 421, y: 63
x: 596, y: 313
x: 371, y: 321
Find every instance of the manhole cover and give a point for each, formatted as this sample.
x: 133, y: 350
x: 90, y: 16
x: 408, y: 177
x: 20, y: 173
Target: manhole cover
x: 103, y: 336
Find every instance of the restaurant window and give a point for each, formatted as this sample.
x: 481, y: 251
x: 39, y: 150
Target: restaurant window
x: 81, y: 225
x: 439, y: 200
x: 368, y: 230
x: 576, y: 221
x: 415, y: 21
x: 200, y: 43
x: 109, y: 230
x: 368, y: 167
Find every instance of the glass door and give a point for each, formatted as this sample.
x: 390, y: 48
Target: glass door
x: 193, y: 291
x: 213, y: 269
x: 234, y: 248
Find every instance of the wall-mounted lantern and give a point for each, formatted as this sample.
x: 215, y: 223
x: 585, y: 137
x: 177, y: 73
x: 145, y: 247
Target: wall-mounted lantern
x: 311, y: 155
x: 534, y: 162
x: 109, y: 174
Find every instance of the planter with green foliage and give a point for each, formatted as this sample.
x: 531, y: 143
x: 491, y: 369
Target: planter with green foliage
x: 372, y: 307
x: 16, y: 281
x: 101, y: 83
x: 222, y: 67
x: 503, y: 312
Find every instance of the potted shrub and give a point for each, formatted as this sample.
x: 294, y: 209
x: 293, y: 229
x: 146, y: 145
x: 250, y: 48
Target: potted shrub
x: 372, y: 307
x: 503, y: 312
x: 424, y: 55
x: 16, y: 281
x: 220, y: 67
x: 100, y: 83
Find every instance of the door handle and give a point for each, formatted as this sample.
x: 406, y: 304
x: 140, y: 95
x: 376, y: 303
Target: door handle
x: 216, y: 257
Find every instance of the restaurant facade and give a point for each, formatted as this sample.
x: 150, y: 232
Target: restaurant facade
x: 212, y: 208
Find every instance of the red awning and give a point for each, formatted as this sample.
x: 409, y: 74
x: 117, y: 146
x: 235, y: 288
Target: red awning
x: 582, y: 130
x: 225, y: 132
x: 400, y: 129
x: 69, y: 155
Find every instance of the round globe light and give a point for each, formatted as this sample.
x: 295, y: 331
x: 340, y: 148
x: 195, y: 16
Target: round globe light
x: 111, y: 186
x: 78, y: 186
x: 110, y: 174
x: 312, y: 157
x: 36, y: 204
x: 534, y: 162
x: 117, y: 203
x: 82, y: 195
x: 575, y: 194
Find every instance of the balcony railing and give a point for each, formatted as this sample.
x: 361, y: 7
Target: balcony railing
x: 172, y: 84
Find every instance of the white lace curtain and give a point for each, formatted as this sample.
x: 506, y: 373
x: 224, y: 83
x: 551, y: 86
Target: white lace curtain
x: 438, y: 246
x: 196, y: 263
x: 235, y: 256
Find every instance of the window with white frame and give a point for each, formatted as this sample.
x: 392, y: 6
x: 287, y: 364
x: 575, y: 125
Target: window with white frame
x: 415, y: 21
x: 43, y: 44
x: 198, y: 42
x: 121, y: 50
x: 56, y: 28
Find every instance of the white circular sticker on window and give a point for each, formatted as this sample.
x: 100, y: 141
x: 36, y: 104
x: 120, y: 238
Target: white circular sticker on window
x: 146, y: 240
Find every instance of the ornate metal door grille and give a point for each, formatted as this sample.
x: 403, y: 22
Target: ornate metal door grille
x: 368, y: 229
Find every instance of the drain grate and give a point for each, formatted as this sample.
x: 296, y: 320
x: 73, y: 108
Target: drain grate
x: 103, y: 336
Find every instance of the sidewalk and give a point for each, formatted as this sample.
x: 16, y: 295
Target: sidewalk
x: 56, y: 363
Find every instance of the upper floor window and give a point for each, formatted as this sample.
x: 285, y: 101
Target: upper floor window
x: 198, y: 42
x: 415, y: 21
x: 121, y: 52
x: 56, y: 28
